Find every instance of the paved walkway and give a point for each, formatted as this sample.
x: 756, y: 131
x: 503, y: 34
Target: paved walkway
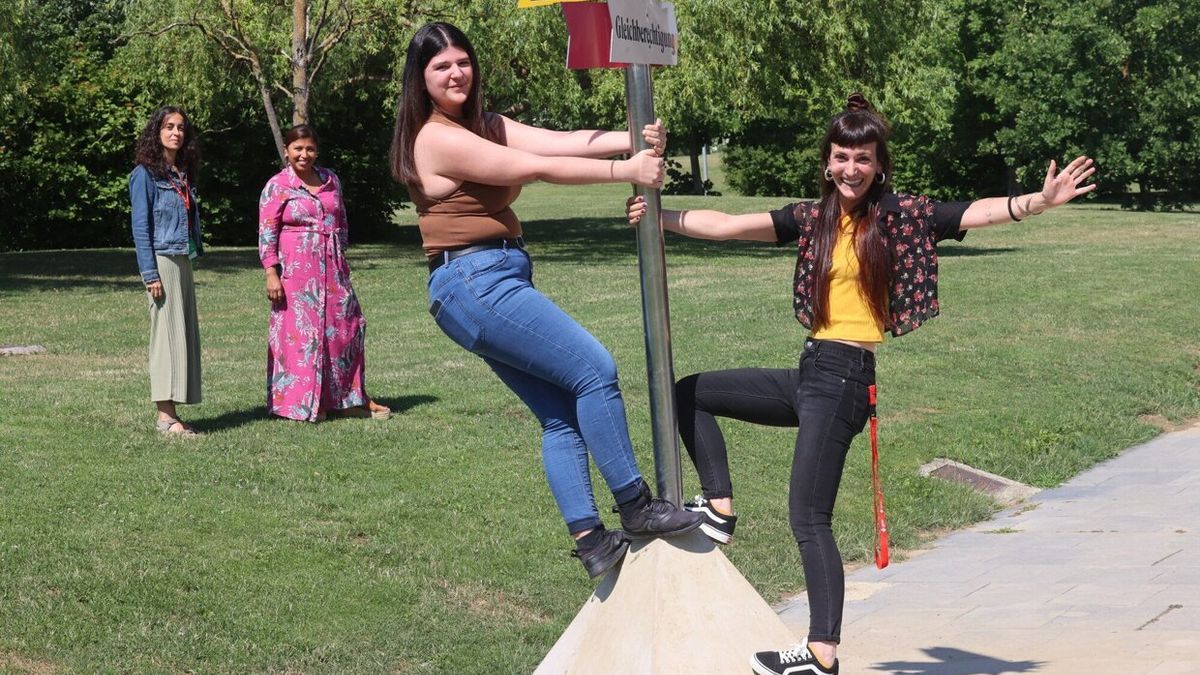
x: 1100, y: 575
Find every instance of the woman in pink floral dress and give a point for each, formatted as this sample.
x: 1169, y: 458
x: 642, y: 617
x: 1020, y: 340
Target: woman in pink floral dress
x: 315, y: 346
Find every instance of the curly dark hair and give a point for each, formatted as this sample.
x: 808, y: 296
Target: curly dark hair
x: 149, y: 151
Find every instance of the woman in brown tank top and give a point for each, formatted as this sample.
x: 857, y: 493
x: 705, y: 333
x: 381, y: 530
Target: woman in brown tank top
x: 464, y: 167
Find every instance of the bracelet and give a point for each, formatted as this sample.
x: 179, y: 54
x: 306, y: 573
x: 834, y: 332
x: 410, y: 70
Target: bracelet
x: 612, y: 169
x: 1010, y: 209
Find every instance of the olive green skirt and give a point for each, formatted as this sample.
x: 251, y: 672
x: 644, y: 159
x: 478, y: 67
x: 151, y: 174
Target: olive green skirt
x: 174, y: 334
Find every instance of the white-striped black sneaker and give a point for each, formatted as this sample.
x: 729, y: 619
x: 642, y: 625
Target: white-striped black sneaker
x: 795, y: 661
x: 718, y: 526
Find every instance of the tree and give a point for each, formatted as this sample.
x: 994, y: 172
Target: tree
x: 812, y: 55
x: 252, y: 35
x: 1117, y: 80
x: 65, y: 129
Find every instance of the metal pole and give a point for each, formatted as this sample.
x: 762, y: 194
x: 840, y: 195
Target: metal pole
x: 639, y: 99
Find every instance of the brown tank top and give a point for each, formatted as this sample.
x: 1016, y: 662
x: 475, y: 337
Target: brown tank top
x: 474, y: 212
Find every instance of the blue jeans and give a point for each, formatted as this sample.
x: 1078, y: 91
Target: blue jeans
x: 486, y: 303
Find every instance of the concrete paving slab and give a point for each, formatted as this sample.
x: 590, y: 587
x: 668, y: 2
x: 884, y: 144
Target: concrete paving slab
x: 1101, y: 575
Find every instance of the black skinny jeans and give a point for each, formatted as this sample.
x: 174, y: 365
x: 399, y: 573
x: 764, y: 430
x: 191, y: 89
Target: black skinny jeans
x: 826, y: 398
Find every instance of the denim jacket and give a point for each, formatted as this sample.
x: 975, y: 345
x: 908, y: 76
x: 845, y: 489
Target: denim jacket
x: 159, y: 220
x: 911, y: 227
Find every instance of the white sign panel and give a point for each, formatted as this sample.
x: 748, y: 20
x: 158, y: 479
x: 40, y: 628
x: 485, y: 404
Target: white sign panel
x: 643, y: 32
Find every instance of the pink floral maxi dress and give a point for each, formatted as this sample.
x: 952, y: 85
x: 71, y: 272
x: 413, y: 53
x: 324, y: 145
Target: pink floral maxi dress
x: 315, y: 344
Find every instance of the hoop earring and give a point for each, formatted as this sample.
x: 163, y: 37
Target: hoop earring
x: 881, y: 178
x: 828, y: 174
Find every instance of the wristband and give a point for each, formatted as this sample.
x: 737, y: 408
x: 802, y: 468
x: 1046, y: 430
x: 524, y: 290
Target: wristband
x: 1010, y: 209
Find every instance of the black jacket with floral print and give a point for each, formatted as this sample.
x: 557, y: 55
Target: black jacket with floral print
x: 911, y: 227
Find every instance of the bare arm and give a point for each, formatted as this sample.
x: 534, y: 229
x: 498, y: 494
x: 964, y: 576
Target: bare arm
x: 707, y: 224
x: 584, y: 143
x: 448, y: 155
x: 1058, y: 189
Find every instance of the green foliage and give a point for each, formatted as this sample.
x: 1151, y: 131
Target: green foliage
x: 980, y: 95
x: 351, y: 106
x: 65, y: 147
x: 680, y: 182
x: 820, y: 53
x: 1115, y: 79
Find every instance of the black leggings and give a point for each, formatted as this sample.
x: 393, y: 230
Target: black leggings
x: 826, y: 398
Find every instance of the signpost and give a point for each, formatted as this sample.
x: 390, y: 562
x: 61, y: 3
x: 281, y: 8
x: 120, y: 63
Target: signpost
x: 677, y: 605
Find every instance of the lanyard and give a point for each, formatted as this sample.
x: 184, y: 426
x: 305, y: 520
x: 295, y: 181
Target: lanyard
x: 182, y: 189
x: 881, y: 532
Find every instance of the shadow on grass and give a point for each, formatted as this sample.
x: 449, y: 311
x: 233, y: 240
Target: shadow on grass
x: 576, y: 240
x: 99, y: 269
x: 950, y: 661
x: 237, y: 418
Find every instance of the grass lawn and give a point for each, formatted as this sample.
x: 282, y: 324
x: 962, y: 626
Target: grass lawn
x: 430, y: 542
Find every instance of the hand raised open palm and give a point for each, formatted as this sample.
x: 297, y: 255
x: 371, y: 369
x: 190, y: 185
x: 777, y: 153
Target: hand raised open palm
x: 1063, y: 186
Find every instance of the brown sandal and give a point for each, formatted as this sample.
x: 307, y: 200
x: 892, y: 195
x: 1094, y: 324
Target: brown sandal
x: 379, y: 412
x: 166, y: 427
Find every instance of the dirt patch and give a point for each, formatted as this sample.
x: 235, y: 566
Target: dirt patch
x: 488, y: 604
x: 21, y: 664
x: 1167, y: 426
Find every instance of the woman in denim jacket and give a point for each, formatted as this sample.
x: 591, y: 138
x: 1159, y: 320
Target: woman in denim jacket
x: 166, y: 236
x: 866, y: 264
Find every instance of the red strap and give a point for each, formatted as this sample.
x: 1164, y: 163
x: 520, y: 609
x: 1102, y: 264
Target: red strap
x: 183, y: 192
x: 881, y: 533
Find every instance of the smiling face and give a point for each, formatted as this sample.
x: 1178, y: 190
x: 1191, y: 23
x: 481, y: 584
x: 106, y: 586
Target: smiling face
x: 302, y: 155
x: 448, y: 77
x: 172, y: 133
x: 854, y: 170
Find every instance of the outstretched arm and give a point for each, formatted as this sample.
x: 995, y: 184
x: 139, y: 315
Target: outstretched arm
x: 584, y: 143
x: 707, y: 224
x: 1059, y: 188
x: 455, y: 154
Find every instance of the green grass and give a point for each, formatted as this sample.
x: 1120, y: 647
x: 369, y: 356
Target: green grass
x: 430, y: 543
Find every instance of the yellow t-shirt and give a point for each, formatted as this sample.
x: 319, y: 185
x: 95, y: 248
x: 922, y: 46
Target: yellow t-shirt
x: 849, y: 313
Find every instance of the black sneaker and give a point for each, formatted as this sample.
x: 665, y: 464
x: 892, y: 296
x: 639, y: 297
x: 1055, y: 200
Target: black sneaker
x: 597, y: 559
x: 795, y: 661
x: 650, y: 517
x: 718, y: 526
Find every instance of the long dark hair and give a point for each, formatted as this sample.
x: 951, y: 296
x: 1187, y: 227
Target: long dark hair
x: 414, y: 106
x: 149, y: 151
x: 855, y: 126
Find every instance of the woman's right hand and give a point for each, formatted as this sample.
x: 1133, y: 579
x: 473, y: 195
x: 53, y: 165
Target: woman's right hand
x: 274, y: 287
x: 645, y: 169
x: 155, y: 289
x: 635, y: 208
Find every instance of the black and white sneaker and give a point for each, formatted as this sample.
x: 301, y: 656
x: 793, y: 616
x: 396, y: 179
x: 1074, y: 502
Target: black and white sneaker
x: 718, y: 526
x: 795, y: 661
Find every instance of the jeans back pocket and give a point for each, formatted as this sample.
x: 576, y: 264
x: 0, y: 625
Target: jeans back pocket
x: 449, y: 315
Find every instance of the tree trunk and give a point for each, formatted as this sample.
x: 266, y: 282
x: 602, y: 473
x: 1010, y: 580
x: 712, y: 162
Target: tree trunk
x: 272, y: 118
x: 695, y: 147
x: 299, y: 62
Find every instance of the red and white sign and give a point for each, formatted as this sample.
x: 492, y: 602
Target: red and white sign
x: 620, y: 32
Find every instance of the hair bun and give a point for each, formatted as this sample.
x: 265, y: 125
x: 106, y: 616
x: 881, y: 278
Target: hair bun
x: 857, y: 102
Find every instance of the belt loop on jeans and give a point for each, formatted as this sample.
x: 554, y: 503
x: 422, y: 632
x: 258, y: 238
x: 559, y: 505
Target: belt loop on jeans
x: 491, y: 244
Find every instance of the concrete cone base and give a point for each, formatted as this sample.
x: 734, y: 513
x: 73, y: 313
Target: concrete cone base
x: 673, y: 606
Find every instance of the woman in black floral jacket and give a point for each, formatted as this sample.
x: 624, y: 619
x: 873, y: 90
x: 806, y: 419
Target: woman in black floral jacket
x: 866, y: 264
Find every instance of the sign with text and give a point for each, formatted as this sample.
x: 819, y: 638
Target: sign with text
x: 522, y: 4
x: 643, y: 32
